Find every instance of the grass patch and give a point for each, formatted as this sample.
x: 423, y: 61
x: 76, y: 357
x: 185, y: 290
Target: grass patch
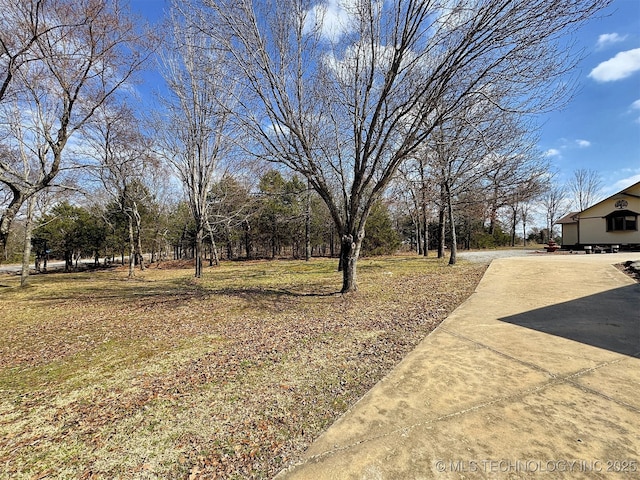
x: 228, y: 376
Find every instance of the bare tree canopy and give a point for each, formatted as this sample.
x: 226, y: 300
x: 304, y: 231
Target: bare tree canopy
x: 60, y: 60
x: 341, y: 92
x: 585, y: 186
x: 345, y: 98
x: 194, y: 129
x: 555, y: 203
x: 122, y: 157
x: 479, y: 153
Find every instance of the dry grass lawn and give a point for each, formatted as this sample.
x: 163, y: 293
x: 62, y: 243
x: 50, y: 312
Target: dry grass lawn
x: 229, y: 376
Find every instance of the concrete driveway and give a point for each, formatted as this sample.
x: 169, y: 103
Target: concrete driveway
x: 536, y: 375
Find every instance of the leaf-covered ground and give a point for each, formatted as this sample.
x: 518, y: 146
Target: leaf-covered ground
x: 229, y: 376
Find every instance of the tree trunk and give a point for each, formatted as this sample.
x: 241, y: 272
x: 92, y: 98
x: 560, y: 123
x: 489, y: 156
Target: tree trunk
x: 349, y: 253
x: 493, y: 213
x: 307, y: 226
x: 273, y: 247
x: 441, y: 219
x: 26, y: 252
x: 7, y: 218
x: 423, y: 210
x: 198, y: 252
x: 68, y: 260
x: 425, y: 231
x: 229, y: 244
x: 215, y: 258
x: 442, y: 231
x: 332, y: 242
x: 452, y: 225
x: 247, y: 239
x: 514, y: 221
x: 132, y: 248
x: 138, y: 236
x: 154, y: 254
x: 492, y: 220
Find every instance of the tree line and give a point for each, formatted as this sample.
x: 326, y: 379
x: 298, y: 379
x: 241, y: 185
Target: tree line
x: 281, y: 218
x: 416, y: 110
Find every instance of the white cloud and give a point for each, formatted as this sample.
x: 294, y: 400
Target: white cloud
x: 607, y: 39
x: 360, y: 53
x: 331, y: 18
x: 334, y: 18
x: 635, y: 106
x: 583, y: 143
x: 552, y: 152
x: 621, y: 66
x: 625, y: 182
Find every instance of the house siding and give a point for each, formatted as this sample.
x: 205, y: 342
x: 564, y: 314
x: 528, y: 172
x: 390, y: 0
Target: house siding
x: 569, y: 234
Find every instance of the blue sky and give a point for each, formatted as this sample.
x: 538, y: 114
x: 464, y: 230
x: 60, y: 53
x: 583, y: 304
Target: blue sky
x: 600, y: 128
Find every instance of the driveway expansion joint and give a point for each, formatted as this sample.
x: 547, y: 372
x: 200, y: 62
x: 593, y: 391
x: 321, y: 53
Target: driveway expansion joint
x: 557, y: 380
x: 498, y: 352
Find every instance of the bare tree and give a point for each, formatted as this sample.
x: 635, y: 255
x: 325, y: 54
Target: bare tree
x: 63, y: 59
x: 22, y: 25
x: 519, y: 201
x: 479, y: 154
x: 513, y: 179
x: 585, y: 186
x: 122, y: 154
x: 456, y: 158
x: 412, y: 189
x: 195, y: 132
x: 346, y: 102
x: 26, y: 251
x: 555, y: 203
x: 526, y: 212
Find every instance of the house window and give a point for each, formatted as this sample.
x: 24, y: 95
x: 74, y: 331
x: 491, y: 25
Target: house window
x: 622, y: 221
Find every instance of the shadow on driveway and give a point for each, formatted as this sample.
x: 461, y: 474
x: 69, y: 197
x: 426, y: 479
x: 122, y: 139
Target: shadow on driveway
x: 609, y: 320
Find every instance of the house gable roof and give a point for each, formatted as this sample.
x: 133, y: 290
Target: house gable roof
x: 569, y: 218
x: 630, y: 191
